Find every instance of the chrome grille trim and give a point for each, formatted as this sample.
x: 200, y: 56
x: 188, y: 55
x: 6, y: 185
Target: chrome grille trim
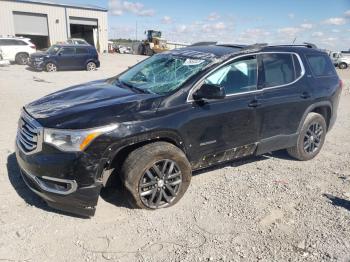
x: 29, y: 134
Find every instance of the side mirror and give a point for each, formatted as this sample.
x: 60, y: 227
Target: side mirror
x: 59, y: 53
x: 209, y: 91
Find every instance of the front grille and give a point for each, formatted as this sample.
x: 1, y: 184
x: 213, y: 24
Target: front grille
x: 29, y: 134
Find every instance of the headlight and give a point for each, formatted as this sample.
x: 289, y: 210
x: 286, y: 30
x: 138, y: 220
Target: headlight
x: 74, y: 140
x: 39, y: 59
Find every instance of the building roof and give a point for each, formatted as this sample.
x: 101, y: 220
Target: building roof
x: 43, y: 2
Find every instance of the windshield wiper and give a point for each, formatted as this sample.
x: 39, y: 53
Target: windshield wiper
x: 130, y: 86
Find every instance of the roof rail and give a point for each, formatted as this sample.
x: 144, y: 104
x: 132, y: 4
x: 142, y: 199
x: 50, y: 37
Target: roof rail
x: 305, y: 44
x: 231, y: 45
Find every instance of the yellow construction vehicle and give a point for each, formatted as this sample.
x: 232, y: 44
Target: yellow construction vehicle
x: 154, y: 44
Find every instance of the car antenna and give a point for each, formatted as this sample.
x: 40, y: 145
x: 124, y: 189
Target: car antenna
x: 295, y: 38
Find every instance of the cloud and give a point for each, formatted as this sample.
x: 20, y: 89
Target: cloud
x: 182, y: 29
x: 306, y: 26
x: 317, y: 34
x: 347, y: 13
x: 335, y: 21
x: 289, y: 31
x: 118, y: 7
x: 167, y: 20
x: 253, y: 35
x: 291, y: 15
x: 213, y: 16
x: 213, y: 27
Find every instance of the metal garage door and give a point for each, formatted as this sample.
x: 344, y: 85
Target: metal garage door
x: 82, y: 21
x: 30, y: 24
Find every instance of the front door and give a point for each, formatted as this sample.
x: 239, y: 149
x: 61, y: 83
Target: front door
x: 222, y: 129
x: 66, y: 58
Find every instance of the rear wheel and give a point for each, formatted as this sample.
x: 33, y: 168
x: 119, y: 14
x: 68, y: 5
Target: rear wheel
x: 343, y: 66
x: 51, y: 67
x: 91, y: 66
x: 156, y: 175
x: 311, y: 138
x: 22, y: 58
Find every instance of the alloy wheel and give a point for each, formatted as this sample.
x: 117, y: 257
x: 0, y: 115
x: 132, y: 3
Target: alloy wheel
x: 51, y: 67
x: 313, y: 138
x: 91, y: 66
x: 160, y: 184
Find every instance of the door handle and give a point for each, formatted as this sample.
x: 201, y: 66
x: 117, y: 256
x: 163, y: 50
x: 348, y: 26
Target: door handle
x: 254, y: 103
x: 305, y: 95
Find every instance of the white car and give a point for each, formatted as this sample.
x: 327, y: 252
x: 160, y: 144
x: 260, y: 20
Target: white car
x: 17, y: 49
x: 77, y: 41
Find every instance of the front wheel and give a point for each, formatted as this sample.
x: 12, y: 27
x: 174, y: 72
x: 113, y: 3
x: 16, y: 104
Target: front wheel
x: 311, y: 138
x: 51, y: 67
x: 156, y: 175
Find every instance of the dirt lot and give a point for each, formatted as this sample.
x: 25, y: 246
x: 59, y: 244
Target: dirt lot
x: 268, y: 208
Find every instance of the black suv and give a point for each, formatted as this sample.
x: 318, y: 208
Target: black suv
x: 65, y: 57
x: 173, y: 113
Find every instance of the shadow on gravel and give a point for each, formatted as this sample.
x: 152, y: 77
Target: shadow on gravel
x: 281, y: 154
x: 114, y: 193
x: 24, y: 192
x: 336, y: 201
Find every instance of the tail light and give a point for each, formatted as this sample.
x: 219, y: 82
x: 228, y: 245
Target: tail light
x: 341, y: 83
x: 32, y: 46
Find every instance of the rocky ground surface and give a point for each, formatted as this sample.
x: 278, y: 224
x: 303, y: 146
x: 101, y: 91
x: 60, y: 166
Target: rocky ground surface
x: 267, y: 208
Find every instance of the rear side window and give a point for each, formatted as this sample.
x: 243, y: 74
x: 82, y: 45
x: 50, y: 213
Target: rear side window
x: 82, y: 50
x: 278, y: 69
x: 321, y: 65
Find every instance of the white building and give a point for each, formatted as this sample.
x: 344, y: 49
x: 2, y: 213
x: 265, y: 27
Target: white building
x: 47, y: 23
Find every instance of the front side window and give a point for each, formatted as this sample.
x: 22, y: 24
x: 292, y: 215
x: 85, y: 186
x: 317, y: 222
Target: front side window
x: 321, y: 65
x: 67, y: 51
x: 162, y: 73
x: 278, y: 69
x: 237, y: 77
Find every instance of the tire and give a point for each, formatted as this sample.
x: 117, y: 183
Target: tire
x: 91, y: 66
x: 141, y: 49
x: 343, y: 66
x: 22, y: 58
x: 50, y: 67
x: 162, y: 191
x: 149, y: 51
x: 311, y: 138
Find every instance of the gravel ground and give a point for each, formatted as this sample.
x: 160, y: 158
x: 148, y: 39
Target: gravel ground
x: 267, y: 208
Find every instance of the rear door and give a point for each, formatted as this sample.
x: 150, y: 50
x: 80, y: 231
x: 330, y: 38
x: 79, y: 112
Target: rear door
x: 66, y: 58
x: 82, y: 55
x: 284, y: 98
x: 8, y: 47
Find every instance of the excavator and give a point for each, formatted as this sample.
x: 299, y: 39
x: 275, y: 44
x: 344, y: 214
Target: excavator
x: 153, y: 44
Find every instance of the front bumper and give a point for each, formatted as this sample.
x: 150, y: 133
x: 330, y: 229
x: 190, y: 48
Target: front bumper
x: 51, y: 175
x: 36, y: 64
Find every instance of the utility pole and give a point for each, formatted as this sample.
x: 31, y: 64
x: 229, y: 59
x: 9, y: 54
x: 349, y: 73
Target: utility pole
x: 136, y: 32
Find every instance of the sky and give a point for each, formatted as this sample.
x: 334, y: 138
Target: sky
x: 323, y: 22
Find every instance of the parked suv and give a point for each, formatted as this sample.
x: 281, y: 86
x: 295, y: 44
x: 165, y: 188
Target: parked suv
x: 17, y: 49
x: 65, y: 57
x: 173, y: 113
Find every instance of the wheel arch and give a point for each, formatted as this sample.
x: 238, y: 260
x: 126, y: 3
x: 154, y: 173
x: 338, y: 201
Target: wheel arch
x: 323, y: 108
x: 118, y: 152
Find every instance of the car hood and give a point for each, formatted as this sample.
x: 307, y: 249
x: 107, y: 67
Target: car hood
x: 92, y: 104
x: 38, y: 54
